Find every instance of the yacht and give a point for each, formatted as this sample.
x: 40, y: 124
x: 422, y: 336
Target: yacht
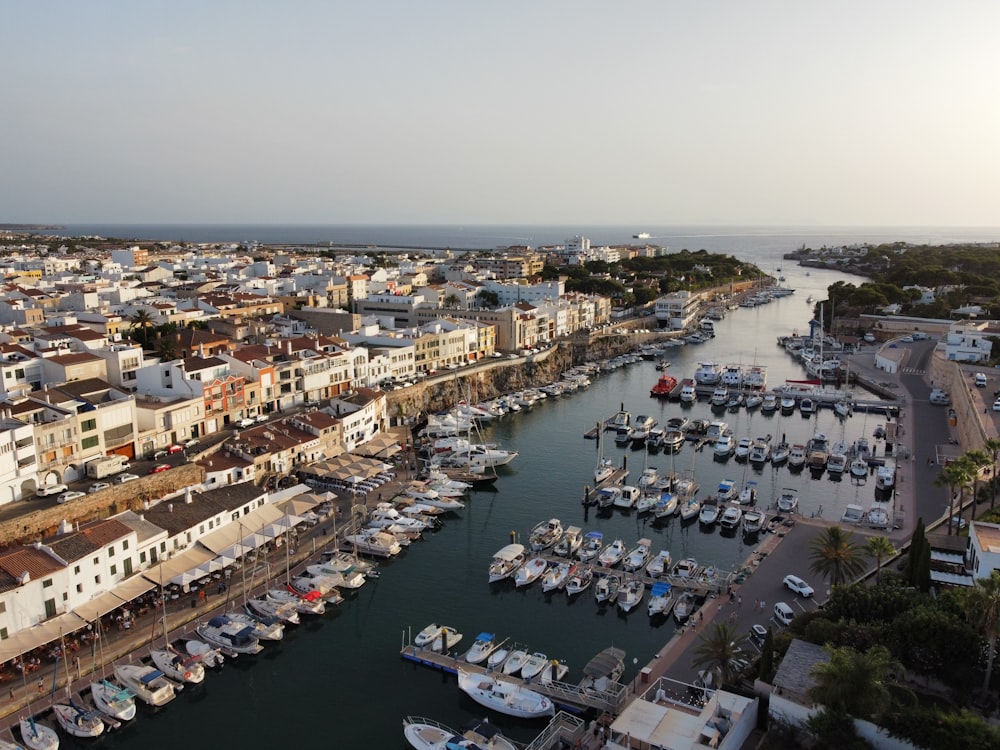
x: 113, y: 700
x: 807, y: 407
x: 648, y: 478
x: 753, y: 521
x: 627, y: 497
x: 708, y: 373
x: 506, y: 697
x: 819, y: 451
x: 796, y: 456
x: 715, y: 430
x: 437, y: 637
x: 788, y: 501
x: 640, y: 429
x: 373, y: 542
x: 684, y: 607
x: 724, y: 446
x: 732, y: 516
x: 148, y: 683
x: 726, y: 490
x: 787, y: 404
x: 862, y: 449
x: 263, y: 628
x: 623, y: 435
x: 760, y: 452
x: 666, y: 505
x: 427, y: 734
x: 720, y: 397
x: 743, y: 449
x: 749, y: 494
x: 836, y: 463
x: 859, y: 468
x: 36, y: 735
x: 177, y: 666
x: 769, y: 403
x: 878, y: 515
x: 885, y: 478
x: 780, y: 454
x: 753, y: 401
x: 688, y: 394
x: 672, y: 440
x: 484, y: 645
x: 732, y: 376
x: 755, y: 378
x: 593, y: 543
x: 505, y: 561
x: 690, y: 508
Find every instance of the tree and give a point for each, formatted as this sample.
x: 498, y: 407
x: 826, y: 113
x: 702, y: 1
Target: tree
x: 880, y: 548
x: 854, y: 682
x: 951, y: 476
x: 835, y: 556
x: 978, y: 460
x: 992, y: 446
x: 488, y: 299
x: 983, y: 610
x: 143, y: 320
x: 717, y: 649
x: 916, y: 546
x: 451, y: 301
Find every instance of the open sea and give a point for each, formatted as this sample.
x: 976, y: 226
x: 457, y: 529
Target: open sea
x: 339, y: 680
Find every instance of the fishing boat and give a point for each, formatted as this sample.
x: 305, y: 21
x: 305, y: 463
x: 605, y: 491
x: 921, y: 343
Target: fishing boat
x: 684, y: 607
x: 659, y: 565
x: 569, y: 545
x: 533, y: 665
x: 753, y: 521
x: 427, y: 734
x: 593, y: 542
x: 545, y: 534
x: 638, y: 556
x: 506, y: 697
x: 148, y: 683
x: 607, y: 588
x: 665, y: 385
x: 660, y: 597
x: 612, y: 554
x: 556, y: 576
x: 505, y: 561
x: 484, y: 645
x: 579, y: 581
x: 530, y: 572
x: 788, y: 501
x: 78, y: 721
x: 631, y: 594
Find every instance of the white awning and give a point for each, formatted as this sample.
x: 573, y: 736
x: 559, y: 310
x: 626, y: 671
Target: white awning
x: 40, y: 635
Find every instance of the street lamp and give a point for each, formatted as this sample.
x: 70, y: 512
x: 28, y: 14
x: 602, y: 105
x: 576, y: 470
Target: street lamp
x: 635, y: 662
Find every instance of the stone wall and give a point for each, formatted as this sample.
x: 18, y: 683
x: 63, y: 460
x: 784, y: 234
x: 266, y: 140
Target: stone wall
x: 970, y: 428
x: 117, y: 498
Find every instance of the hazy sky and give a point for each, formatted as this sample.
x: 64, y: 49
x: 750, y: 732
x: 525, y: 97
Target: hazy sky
x: 635, y: 113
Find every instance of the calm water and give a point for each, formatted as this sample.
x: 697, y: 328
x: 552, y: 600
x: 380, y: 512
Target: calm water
x: 346, y: 666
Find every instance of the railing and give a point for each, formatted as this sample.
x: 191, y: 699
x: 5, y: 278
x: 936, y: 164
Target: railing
x: 564, y: 727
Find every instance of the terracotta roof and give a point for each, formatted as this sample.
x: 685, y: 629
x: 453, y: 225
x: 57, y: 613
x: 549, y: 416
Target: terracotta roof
x: 37, y: 563
x: 74, y: 359
x: 176, y: 516
x: 193, y: 364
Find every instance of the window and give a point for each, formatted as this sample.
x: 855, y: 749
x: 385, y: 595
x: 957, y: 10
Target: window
x: 142, y: 558
x: 125, y: 544
x: 65, y: 596
x: 46, y: 583
x: 111, y: 551
x: 97, y: 580
x: 163, y: 546
x: 3, y: 607
x: 79, y: 588
x: 97, y: 561
x: 88, y: 424
x: 127, y: 566
x: 90, y: 442
x: 201, y: 529
x: 76, y: 570
x: 3, y: 634
x: 114, y: 570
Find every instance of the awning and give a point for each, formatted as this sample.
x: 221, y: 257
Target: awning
x: 242, y: 530
x: 39, y: 635
x: 185, y: 562
x: 381, y: 445
x: 99, y: 606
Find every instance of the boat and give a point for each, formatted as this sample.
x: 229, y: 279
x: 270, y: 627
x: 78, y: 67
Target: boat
x: 606, y: 496
x: 229, y: 635
x: 727, y: 490
x: 178, y: 667
x: 731, y: 518
x: 769, y: 403
x: 505, y: 561
x: 807, y: 407
x: 503, y: 696
x: 853, y: 514
x: 760, y: 451
x: 437, y: 637
x: 602, y: 672
x: 266, y: 610
x: 545, y: 534
x: 719, y: 397
x: 732, y: 376
x: 484, y: 645
x: 686, y: 568
x: 688, y: 394
x: 373, y: 542
x: 788, y: 501
x: 709, y: 512
x: 36, y: 735
x: 724, y: 446
x: 885, y: 478
x: 307, y: 585
x: 337, y: 577
x: 148, y: 683
x: 708, y: 373
x: 623, y: 435
x: 753, y: 521
x: 530, y: 572
x: 842, y: 408
x: 862, y: 449
x: 787, y: 404
x: 622, y: 418
x: 859, y: 468
x: 666, y: 505
x: 638, y: 556
x: 554, y: 671
x: 309, y: 604
x: 113, y: 700
x: 659, y: 564
x: 579, y: 580
x: 264, y: 628
x: 605, y: 466
x: 627, y: 497
x: 716, y: 430
x: 514, y: 662
x: 569, y: 545
x: 607, y: 588
x: 660, y: 597
x: 819, y: 451
x: 664, y: 386
x: 209, y: 655
x: 780, y: 454
x: 748, y: 496
x: 836, y: 463
x: 593, y: 542
x: 684, y: 607
x: 647, y: 501
x: 648, y: 478
x: 631, y: 594
x: 78, y: 721
x: 690, y: 508
x: 426, y: 734
x: 743, y: 449
x: 753, y: 401
x: 533, y: 665
x: 878, y: 516
x: 612, y: 554
x: 672, y: 440
x: 796, y: 456
x: 556, y: 576
x: 641, y: 236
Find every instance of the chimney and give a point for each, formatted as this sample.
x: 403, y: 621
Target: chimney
x: 38, y: 544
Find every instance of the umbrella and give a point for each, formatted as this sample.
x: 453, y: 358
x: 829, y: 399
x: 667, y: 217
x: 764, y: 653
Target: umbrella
x: 183, y: 579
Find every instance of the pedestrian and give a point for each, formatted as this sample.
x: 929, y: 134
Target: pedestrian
x: 739, y: 602
x: 201, y: 594
x: 701, y: 617
x: 756, y: 603
x: 763, y: 605
x: 41, y: 686
x: 12, y: 693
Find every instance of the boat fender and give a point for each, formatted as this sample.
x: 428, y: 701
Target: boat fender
x: 187, y: 675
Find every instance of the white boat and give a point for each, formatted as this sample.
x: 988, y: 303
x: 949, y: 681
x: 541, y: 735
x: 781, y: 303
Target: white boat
x: 885, y: 478
x: 727, y: 489
x: 743, y: 448
x: 660, y: 597
x: 859, y: 468
x: 753, y: 521
x: 647, y: 502
x: 760, y: 451
x: 725, y: 446
x: 659, y: 565
x: 497, y: 658
x: 264, y: 628
x: 309, y: 585
x: 688, y: 393
x: 612, y: 554
x: 426, y: 734
x: 210, y: 655
x: 684, y: 607
x: 628, y: 497
x: 605, y: 468
x: 690, y: 508
x: 593, y: 542
x: 749, y: 494
x: 148, y: 683
x: 769, y: 402
x: 753, y: 401
x: 842, y: 408
x: 836, y: 463
x: 442, y: 635
x: 229, y: 635
x: 853, y: 514
x: 484, y: 645
x: 796, y: 456
x: 638, y: 556
x: 38, y: 736
x: 545, y: 534
x: 505, y: 561
x: 373, y: 542
x: 715, y: 430
x: 554, y: 671
x: 78, y: 721
x: 788, y: 501
x: 556, y: 576
x: 631, y: 594
x: 686, y: 568
x: 878, y: 516
x: 648, y: 478
x: 113, y: 700
x: 731, y: 518
x: 672, y: 440
x: 177, y: 666
x: 709, y: 513
x: 579, y: 581
x: 514, y: 662
x: 530, y: 572
x: 263, y: 609
x: 533, y: 665
x: 666, y: 505
x: 819, y: 451
x: 780, y: 454
x: 787, y: 404
x: 503, y: 696
x: 862, y: 449
x: 719, y: 397
x: 607, y: 588
x: 306, y: 604
x: 708, y: 373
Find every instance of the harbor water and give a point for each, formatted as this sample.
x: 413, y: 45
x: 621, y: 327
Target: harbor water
x: 338, y: 680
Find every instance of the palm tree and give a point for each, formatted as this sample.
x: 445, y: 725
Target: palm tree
x: 853, y: 682
x: 880, y: 548
x: 992, y: 446
x: 983, y: 610
x: 950, y: 476
x: 835, y: 556
x: 717, y: 648
x: 978, y: 460
x: 451, y: 300
x: 143, y: 320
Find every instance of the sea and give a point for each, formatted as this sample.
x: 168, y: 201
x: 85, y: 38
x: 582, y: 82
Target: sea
x: 339, y: 679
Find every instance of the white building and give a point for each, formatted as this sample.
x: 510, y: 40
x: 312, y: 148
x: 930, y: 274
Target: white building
x: 967, y: 342
x: 677, y: 310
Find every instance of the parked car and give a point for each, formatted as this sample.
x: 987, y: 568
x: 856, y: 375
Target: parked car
x: 123, y: 478
x: 996, y: 405
x: 783, y: 613
x: 247, y: 422
x: 175, y: 448
x: 47, y: 490
x: 158, y: 468
x: 757, y: 634
x: 981, y: 380
x: 97, y: 487
x: 157, y: 455
x: 261, y: 418
x: 800, y: 587
x: 191, y: 443
x: 69, y: 495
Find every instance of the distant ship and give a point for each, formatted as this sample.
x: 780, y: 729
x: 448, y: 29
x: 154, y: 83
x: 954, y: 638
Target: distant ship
x: 641, y: 236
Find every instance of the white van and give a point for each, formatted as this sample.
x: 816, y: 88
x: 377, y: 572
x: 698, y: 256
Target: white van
x: 783, y: 613
x: 980, y: 380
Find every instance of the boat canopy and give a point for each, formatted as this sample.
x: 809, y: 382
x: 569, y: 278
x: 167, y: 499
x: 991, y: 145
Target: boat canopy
x: 605, y: 663
x: 594, y: 535
x: 484, y: 636
x: 510, y: 552
x: 660, y: 588
x: 150, y: 676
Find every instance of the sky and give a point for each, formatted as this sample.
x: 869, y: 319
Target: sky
x: 431, y: 112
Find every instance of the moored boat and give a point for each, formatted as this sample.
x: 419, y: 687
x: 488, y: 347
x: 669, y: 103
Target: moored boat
x: 659, y: 598
x: 579, y: 581
x: 505, y: 561
x: 659, y: 565
x: 530, y: 572
x: 631, y: 594
x: 593, y: 542
x: 484, y: 645
x: 177, y: 666
x: 506, y: 697
x: 78, y: 721
x: 113, y: 700
x: 36, y: 735
x: 427, y: 734
x: 148, y: 683
x: 229, y: 635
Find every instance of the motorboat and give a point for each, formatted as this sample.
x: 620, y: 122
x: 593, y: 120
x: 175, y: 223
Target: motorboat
x: 305, y: 604
x: 505, y: 561
x: 725, y: 446
x: 859, y: 468
x: 731, y: 518
x: 545, y: 534
x: 264, y: 628
x: 603, y: 671
x: 640, y: 429
x: 78, y: 721
x: 229, y: 635
x: 638, y: 556
x: 709, y: 512
x: 842, y: 408
x: 719, y: 397
x: 530, y: 572
x: 373, y: 542
x: 660, y: 597
x: 607, y: 588
x: 743, y: 448
x: 497, y: 658
x: 748, y: 496
x: 210, y: 656
x: 787, y: 404
x: 686, y: 568
x: 769, y: 403
x: 554, y: 671
x: 647, y: 502
x: 606, y: 496
x: 593, y: 542
x: 579, y: 580
x: 623, y: 435
x: 148, y: 683
x: 38, y: 736
x: 627, y: 497
x: 556, y: 576
x: 113, y: 700
x: 788, y: 501
x: 753, y: 401
x: 708, y: 373
x: 853, y: 514
x: 337, y: 577
x: 664, y: 386
x: 688, y: 394
x: 732, y: 376
x: 266, y: 609
x: 753, y: 521
x: 631, y: 594
x: 426, y: 734
x: 885, y: 477
x: 807, y: 407
x: 672, y: 440
x: 308, y: 585
x: 879, y: 516
x: 442, y: 635
x: 780, y: 454
x: 715, y: 430
x: 506, y: 697
x: 760, y: 451
x: 659, y: 564
x: 648, y: 478
x: 569, y: 545
x: 684, y: 607
x: 796, y: 456
x: 727, y: 490
x: 666, y: 505
x: 612, y: 554
x: 484, y: 645
x: 862, y: 448
x: 690, y: 508
x: 735, y: 401
x: 819, y: 451
x: 533, y: 665
x: 836, y: 463
x: 515, y: 661
x: 178, y: 667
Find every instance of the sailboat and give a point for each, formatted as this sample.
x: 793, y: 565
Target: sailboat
x: 34, y: 734
x: 605, y: 467
x: 74, y: 719
x: 110, y: 698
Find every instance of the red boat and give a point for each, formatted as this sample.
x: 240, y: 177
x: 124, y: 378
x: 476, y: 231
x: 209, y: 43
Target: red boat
x: 664, y: 386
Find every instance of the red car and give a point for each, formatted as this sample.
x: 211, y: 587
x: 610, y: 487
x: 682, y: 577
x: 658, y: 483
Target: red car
x: 175, y: 448
x: 158, y: 468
